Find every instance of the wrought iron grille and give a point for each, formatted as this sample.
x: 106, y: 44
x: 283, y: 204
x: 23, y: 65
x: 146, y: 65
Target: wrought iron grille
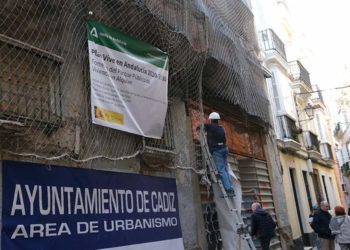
x: 30, y: 89
x: 212, y: 228
x: 271, y: 41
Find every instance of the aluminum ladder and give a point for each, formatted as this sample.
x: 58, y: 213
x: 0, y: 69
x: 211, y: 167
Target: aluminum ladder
x: 242, y: 229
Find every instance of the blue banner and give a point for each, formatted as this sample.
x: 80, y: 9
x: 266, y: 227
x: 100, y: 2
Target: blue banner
x: 52, y: 207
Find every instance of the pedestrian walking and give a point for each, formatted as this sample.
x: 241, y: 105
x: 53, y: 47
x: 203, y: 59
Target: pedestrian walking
x: 311, y: 218
x: 340, y: 227
x: 320, y: 225
x: 263, y: 226
x: 216, y: 139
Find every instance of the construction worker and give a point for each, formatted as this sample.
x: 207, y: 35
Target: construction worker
x: 216, y: 139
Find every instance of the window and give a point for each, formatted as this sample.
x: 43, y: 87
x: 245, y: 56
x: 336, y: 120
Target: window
x: 275, y: 92
x: 344, y: 189
x: 30, y: 88
x: 312, y: 142
x: 307, y: 189
x: 317, y: 185
x: 290, y: 130
x: 325, y: 189
x: 332, y: 190
x: 326, y: 150
x: 296, y: 200
x: 320, y: 128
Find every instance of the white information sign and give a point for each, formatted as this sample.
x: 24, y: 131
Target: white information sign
x: 129, y: 82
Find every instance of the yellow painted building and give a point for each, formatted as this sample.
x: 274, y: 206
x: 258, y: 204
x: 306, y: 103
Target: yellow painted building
x: 305, y: 188
x: 307, y: 157
x: 299, y: 118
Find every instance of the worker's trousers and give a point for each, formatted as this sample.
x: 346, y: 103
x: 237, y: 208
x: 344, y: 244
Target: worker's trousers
x: 220, y: 158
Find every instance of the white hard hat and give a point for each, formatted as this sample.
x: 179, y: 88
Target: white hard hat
x: 214, y: 116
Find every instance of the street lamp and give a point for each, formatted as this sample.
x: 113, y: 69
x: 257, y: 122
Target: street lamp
x: 309, y: 110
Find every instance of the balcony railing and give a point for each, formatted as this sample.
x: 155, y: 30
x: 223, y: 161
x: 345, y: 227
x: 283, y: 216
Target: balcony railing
x: 317, y: 95
x: 289, y: 128
x: 326, y: 149
x: 312, y: 142
x: 299, y: 73
x: 271, y: 41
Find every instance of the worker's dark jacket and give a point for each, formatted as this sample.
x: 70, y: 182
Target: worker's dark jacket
x: 216, y: 136
x: 320, y: 224
x: 262, y: 225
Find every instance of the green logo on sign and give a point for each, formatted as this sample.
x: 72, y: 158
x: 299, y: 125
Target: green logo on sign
x: 94, y: 32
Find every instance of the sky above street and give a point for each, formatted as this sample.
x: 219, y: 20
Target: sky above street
x: 323, y: 31
x: 323, y: 27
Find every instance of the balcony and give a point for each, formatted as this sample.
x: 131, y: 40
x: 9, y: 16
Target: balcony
x: 311, y: 141
x: 271, y: 42
x: 290, y: 134
x: 326, y: 150
x: 317, y: 98
x: 312, y: 145
x: 300, y: 76
x: 327, y: 153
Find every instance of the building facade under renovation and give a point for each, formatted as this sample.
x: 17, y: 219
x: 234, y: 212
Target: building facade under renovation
x: 50, y: 146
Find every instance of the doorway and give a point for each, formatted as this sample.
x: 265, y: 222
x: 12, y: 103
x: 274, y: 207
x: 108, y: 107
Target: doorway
x: 293, y: 179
